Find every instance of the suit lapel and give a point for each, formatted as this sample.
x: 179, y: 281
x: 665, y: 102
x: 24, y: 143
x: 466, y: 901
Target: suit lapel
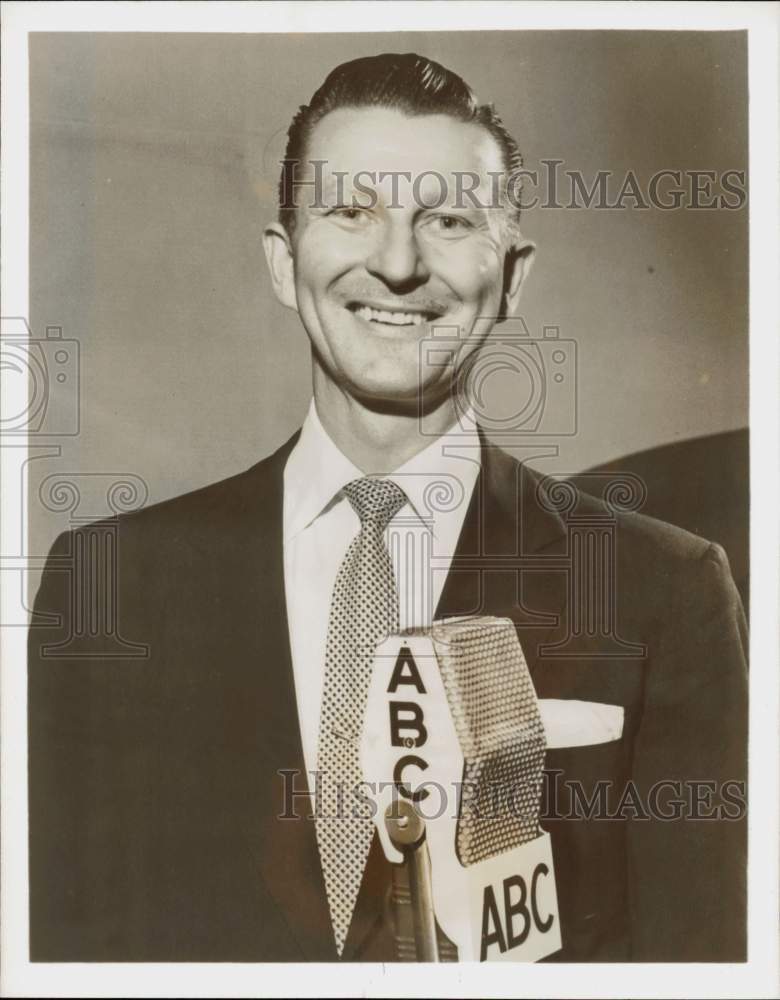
x: 502, y: 563
x: 290, y: 864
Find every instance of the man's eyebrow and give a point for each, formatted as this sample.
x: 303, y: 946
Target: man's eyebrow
x: 347, y: 181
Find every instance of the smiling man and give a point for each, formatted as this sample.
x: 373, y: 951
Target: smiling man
x: 156, y: 789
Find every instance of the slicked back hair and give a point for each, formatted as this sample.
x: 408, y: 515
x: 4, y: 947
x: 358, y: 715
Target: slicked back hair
x: 404, y: 82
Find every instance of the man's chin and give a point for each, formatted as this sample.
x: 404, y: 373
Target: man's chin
x: 401, y: 400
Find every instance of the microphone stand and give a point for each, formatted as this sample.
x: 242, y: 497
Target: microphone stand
x: 406, y: 829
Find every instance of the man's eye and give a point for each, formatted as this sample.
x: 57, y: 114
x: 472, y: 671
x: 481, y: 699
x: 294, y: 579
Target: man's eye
x: 349, y: 213
x: 449, y: 225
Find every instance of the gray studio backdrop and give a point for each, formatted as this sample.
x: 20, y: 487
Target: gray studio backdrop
x: 153, y: 166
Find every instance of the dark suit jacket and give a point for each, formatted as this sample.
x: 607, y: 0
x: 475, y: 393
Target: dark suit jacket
x: 154, y: 784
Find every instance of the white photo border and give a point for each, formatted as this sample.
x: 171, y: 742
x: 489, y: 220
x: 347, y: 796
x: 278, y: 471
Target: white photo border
x: 758, y: 977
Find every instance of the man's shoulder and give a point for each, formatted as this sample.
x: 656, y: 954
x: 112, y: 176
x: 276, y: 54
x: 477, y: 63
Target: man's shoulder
x: 569, y: 501
x: 647, y: 535
x: 663, y: 565
x: 657, y: 567
x: 250, y: 497
x: 660, y: 572
x: 251, y: 488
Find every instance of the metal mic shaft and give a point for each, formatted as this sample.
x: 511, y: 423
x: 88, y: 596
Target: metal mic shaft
x: 406, y: 829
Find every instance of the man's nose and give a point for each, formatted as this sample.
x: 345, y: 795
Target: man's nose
x: 396, y: 257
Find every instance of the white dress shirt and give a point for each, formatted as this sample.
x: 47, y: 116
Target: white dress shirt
x: 319, y: 524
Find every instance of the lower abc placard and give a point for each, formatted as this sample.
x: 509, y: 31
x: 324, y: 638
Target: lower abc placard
x: 513, y: 904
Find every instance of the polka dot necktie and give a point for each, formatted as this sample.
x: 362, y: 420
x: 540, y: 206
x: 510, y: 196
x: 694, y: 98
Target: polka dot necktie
x: 364, y: 610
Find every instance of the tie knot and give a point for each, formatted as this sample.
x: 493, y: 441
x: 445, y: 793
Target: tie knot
x: 375, y: 501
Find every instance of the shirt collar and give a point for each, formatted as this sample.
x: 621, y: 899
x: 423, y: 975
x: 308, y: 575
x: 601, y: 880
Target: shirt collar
x: 440, y: 478
x: 315, y: 473
x: 436, y: 480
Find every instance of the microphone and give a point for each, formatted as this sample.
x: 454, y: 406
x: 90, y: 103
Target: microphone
x: 453, y: 729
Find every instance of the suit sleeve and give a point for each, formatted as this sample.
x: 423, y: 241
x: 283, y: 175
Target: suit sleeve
x: 687, y: 875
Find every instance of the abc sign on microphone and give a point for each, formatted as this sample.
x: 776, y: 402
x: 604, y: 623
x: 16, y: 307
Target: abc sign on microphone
x: 417, y: 746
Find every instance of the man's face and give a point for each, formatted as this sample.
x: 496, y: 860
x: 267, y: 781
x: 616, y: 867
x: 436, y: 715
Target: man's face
x: 371, y: 271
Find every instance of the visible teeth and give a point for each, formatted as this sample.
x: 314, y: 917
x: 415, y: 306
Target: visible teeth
x: 394, y: 318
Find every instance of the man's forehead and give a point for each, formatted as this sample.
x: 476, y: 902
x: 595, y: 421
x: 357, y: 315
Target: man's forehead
x: 378, y: 139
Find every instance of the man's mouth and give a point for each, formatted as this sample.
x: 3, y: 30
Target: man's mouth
x: 391, y: 317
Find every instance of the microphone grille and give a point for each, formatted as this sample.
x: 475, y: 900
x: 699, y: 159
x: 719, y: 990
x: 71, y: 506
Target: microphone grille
x: 494, y: 708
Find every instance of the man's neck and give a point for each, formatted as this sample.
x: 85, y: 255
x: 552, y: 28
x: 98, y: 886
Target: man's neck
x: 377, y: 442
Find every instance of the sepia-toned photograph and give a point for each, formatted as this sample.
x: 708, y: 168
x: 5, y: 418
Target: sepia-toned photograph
x: 380, y: 542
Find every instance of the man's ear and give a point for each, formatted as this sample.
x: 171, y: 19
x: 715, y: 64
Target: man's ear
x: 281, y: 264
x: 517, y: 265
